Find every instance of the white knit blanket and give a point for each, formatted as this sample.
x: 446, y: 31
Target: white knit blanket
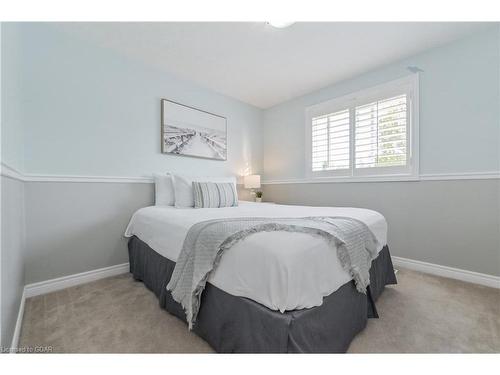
x: 206, y: 242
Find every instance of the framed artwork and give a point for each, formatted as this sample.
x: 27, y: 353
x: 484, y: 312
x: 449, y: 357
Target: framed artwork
x: 189, y: 131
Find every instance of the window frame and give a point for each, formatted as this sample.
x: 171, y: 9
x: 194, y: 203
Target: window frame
x: 408, y: 85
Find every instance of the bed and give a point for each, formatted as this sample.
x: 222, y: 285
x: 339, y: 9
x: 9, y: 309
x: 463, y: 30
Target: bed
x: 274, y: 292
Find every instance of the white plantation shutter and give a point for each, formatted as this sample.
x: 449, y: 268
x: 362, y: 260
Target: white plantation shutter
x: 330, y: 141
x: 368, y: 135
x: 381, y: 133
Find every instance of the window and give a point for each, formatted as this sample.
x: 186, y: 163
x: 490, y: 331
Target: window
x: 330, y: 138
x: 381, y: 132
x: 368, y: 135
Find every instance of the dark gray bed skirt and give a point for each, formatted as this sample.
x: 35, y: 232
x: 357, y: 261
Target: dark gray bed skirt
x: 233, y: 324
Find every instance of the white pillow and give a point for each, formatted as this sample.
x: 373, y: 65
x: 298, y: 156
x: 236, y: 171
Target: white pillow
x: 183, y: 188
x: 164, y: 190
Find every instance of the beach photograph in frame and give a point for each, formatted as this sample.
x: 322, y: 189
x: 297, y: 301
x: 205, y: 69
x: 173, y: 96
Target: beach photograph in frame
x: 189, y: 131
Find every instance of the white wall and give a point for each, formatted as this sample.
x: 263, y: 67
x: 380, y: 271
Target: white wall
x: 459, y: 111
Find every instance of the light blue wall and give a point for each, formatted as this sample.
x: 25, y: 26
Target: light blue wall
x: 12, y: 226
x: 459, y: 111
x: 91, y: 111
x: 73, y: 108
x: 13, y: 100
x: 85, y: 110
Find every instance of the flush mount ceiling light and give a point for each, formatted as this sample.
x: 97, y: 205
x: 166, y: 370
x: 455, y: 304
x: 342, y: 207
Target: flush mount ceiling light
x: 280, y: 24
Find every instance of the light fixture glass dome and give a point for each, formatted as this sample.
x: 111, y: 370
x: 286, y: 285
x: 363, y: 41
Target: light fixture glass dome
x: 280, y: 24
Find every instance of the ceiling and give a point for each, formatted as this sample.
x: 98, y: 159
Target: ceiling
x: 262, y: 65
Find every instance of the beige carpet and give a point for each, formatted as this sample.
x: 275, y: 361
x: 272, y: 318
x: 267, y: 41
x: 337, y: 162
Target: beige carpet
x: 421, y: 314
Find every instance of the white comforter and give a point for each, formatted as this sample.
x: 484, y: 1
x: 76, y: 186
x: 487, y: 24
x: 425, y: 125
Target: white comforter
x: 280, y: 270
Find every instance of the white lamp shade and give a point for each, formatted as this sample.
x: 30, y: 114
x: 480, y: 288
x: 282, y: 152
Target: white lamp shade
x: 252, y: 181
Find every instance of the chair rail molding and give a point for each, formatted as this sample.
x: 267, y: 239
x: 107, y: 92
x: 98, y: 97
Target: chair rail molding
x: 10, y: 172
x: 487, y: 175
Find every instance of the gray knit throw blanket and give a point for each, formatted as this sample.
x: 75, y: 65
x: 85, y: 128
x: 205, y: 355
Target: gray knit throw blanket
x: 207, y: 241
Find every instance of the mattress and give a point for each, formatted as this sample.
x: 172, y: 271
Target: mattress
x: 280, y: 270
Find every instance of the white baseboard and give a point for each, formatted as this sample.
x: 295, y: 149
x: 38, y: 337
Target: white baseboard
x: 444, y: 271
x: 19, y: 322
x: 53, y: 285
x: 64, y: 282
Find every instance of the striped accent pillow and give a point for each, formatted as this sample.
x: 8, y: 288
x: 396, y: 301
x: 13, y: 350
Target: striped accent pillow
x: 214, y: 194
